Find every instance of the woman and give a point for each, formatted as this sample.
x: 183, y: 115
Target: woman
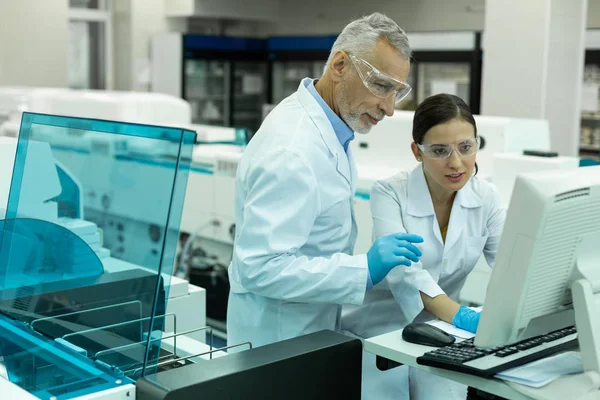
x: 459, y: 217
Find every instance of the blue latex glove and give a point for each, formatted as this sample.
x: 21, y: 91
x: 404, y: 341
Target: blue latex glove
x: 390, y: 251
x: 466, y: 319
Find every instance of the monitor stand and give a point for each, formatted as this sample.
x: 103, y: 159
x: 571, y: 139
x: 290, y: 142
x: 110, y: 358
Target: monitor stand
x: 585, y: 290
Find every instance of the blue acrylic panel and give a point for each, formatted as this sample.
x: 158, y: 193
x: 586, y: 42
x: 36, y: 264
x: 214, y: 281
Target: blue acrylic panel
x: 35, y: 251
x: 87, y: 248
x: 45, y: 369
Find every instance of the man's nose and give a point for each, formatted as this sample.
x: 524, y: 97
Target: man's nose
x: 388, y: 105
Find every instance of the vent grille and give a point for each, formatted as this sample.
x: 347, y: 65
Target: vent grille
x: 23, y: 298
x: 226, y: 168
x: 572, y: 194
x: 568, y: 221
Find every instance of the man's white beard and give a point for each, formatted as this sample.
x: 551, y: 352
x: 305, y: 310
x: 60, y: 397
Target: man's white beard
x: 351, y: 117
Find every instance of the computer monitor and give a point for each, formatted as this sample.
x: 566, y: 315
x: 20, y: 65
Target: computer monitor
x: 550, y: 237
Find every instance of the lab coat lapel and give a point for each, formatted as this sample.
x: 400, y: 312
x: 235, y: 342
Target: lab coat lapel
x: 419, y: 200
x: 316, y: 113
x: 354, y: 176
x: 353, y: 172
x: 455, y: 225
x: 465, y: 198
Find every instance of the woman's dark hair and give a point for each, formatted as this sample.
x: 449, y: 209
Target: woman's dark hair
x: 440, y: 109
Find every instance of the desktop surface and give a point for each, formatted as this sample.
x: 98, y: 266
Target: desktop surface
x: 393, y: 347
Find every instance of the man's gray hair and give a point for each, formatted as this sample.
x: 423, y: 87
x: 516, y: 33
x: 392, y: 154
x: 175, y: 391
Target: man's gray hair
x: 360, y: 36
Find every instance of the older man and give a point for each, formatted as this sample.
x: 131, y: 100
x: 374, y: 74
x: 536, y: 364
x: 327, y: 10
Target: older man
x: 293, y: 264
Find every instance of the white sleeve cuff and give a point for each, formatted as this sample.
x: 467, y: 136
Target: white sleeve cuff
x: 406, y: 285
x: 363, y: 278
x: 423, y: 282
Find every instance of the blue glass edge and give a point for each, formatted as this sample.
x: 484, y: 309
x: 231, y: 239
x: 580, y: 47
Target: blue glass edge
x: 52, y: 353
x: 171, y: 237
x: 171, y: 134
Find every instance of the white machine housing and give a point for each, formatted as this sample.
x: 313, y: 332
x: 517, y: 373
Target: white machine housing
x: 209, y: 204
x: 507, y: 166
x: 144, y: 108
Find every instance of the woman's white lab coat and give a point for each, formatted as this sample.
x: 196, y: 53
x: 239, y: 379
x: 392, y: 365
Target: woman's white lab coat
x: 403, y: 204
x: 292, y: 264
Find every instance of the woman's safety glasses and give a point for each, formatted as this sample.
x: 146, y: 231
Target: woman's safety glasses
x: 465, y: 148
x: 380, y: 84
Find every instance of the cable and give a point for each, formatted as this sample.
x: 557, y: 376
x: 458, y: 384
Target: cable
x: 183, y: 264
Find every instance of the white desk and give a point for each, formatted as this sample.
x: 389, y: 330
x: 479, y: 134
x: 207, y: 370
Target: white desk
x: 393, y: 347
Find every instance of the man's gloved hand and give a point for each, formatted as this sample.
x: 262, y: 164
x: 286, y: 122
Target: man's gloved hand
x: 390, y: 251
x: 466, y: 319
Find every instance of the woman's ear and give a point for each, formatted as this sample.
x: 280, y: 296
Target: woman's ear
x: 416, y: 151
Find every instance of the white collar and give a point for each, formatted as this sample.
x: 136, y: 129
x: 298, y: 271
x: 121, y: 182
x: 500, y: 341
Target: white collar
x: 419, y: 199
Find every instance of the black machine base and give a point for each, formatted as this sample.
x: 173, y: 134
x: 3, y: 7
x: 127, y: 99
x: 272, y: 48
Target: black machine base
x: 321, y: 365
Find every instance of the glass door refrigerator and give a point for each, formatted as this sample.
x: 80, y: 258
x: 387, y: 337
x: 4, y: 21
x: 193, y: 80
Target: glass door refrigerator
x: 447, y: 62
x: 589, y: 142
x: 225, y: 79
x: 294, y: 58
x: 206, y: 88
x: 250, y: 90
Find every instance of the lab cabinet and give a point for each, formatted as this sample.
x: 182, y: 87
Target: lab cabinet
x: 225, y: 79
x: 590, y: 111
x: 294, y: 58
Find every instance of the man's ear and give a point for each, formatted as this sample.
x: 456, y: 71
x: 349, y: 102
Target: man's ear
x: 338, y: 65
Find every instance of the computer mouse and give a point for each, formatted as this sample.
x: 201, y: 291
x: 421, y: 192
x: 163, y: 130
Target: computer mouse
x: 425, y: 334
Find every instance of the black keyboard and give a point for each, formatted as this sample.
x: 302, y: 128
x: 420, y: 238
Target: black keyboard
x: 465, y: 357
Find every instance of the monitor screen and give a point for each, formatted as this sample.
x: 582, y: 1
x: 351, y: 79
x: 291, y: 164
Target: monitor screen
x: 552, y: 218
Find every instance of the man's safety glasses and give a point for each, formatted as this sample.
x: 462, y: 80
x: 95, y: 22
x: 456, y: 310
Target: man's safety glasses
x: 380, y: 84
x: 465, y: 148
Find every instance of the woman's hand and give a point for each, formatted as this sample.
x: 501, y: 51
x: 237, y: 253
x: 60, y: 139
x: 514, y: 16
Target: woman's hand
x: 466, y: 319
